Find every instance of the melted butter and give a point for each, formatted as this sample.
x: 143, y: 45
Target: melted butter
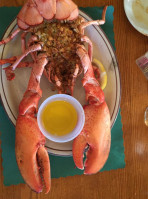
x: 59, y: 118
x: 140, y: 11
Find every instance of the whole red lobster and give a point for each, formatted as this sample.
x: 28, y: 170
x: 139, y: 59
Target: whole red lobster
x: 50, y: 21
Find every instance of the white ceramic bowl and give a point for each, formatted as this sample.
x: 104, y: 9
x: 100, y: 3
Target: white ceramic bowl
x: 137, y: 14
x: 80, y: 114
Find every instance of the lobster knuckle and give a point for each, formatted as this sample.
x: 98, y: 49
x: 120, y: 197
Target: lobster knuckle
x: 94, y: 94
x: 29, y: 101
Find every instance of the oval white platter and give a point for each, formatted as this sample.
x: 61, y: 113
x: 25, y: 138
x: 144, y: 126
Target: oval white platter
x: 12, y: 91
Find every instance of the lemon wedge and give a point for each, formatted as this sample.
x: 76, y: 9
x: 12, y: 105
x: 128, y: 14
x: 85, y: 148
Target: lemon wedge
x: 103, y: 74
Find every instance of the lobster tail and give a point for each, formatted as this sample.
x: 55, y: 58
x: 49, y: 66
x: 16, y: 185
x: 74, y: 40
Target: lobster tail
x: 35, y: 11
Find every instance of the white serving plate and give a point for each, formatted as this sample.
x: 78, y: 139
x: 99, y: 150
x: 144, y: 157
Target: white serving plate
x: 137, y: 14
x: 12, y: 91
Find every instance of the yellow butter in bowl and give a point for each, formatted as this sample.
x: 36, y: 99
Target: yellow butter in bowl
x: 59, y: 118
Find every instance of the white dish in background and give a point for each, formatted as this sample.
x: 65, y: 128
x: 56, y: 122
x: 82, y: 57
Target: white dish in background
x: 12, y: 91
x: 137, y: 13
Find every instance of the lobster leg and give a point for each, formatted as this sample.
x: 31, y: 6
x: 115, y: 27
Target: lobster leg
x: 9, y: 71
x: 9, y: 60
x: 74, y: 78
x: 32, y: 158
x: 96, y: 133
x: 90, y: 46
x: 10, y: 75
x: 12, y: 60
x: 58, y: 84
x: 35, y: 47
x: 32, y: 39
x: 47, y: 72
x: 16, y: 61
x: 96, y: 22
x: 11, y: 36
x: 23, y: 41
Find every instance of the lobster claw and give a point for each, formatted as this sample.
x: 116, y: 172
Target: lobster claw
x: 95, y: 134
x: 32, y: 158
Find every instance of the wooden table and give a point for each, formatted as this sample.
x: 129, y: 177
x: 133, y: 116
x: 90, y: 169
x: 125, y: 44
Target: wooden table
x: 128, y: 183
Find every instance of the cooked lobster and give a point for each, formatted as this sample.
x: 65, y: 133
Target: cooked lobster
x: 56, y: 44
